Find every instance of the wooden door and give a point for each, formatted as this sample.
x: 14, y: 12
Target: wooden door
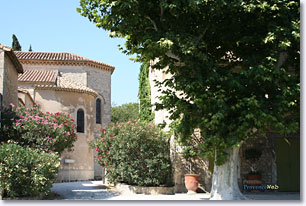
x: 288, y: 164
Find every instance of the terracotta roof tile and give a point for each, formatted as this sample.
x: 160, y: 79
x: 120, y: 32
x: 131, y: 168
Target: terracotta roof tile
x: 56, y: 56
x: 38, y: 76
x: 66, y: 84
x: 50, y: 79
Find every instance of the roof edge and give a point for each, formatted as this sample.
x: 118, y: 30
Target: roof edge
x: 24, y: 57
x: 26, y: 92
x: 68, y: 62
x: 11, y: 54
x: 47, y: 87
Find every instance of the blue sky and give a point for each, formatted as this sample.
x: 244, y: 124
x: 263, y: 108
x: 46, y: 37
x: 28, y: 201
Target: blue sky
x: 56, y: 26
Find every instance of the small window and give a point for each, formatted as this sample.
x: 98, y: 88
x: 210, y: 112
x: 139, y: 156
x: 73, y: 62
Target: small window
x: 80, y: 121
x: 98, y: 111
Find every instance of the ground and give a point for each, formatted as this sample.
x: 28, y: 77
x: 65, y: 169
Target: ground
x: 95, y: 190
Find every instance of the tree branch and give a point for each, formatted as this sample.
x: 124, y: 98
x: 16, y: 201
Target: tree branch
x: 202, y: 35
x: 153, y: 22
x: 161, y: 13
x: 149, y: 27
x: 283, y: 56
x: 173, y: 56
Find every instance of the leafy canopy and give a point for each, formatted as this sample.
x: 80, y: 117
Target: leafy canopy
x: 236, y: 62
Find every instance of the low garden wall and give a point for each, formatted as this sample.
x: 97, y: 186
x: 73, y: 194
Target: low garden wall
x: 145, y: 190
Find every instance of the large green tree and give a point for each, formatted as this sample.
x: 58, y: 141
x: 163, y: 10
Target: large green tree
x: 236, y: 63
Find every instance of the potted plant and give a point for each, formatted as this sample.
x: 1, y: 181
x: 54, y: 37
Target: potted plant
x: 191, y: 179
x: 252, y: 155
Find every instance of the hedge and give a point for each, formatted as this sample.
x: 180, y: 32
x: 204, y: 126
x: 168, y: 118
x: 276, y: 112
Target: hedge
x: 136, y: 153
x: 26, y: 172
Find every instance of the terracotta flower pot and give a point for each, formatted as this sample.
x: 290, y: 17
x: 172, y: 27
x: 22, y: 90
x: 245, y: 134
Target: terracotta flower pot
x: 254, y: 177
x: 254, y: 180
x: 191, y: 182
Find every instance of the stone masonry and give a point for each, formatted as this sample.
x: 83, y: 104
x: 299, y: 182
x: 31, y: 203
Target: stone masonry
x: 89, y: 73
x: 266, y: 164
x: 179, y: 164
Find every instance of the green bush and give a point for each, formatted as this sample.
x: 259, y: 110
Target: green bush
x: 31, y: 127
x: 136, y: 153
x: 26, y: 172
x: 124, y: 112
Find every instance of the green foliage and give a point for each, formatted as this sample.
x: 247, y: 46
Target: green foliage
x: 189, y: 152
x: 15, y: 44
x: 26, y: 172
x: 31, y: 127
x: 144, y: 94
x: 237, y: 63
x: 124, y: 112
x: 136, y: 153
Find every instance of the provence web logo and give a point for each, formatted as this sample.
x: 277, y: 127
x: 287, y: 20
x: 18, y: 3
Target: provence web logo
x: 261, y: 187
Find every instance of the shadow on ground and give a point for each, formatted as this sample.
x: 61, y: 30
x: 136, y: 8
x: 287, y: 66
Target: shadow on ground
x: 273, y: 195
x: 95, y: 190
x: 83, y: 191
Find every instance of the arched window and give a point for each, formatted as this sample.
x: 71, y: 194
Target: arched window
x: 80, y: 121
x: 98, y: 111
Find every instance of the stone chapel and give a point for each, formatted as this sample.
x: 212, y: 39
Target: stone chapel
x: 78, y: 86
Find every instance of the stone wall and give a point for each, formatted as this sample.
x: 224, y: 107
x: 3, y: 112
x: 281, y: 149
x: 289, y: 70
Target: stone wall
x: 2, y: 53
x: 75, y: 73
x: 10, y: 80
x: 195, y: 166
x: 27, y: 99
x: 160, y: 115
x: 94, y: 78
x: 100, y: 81
x: 179, y: 164
x: 266, y: 164
x: 99, y: 171
x: 83, y: 154
x: 130, y: 189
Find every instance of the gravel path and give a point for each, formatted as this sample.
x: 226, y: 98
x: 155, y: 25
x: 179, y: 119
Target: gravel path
x: 95, y: 190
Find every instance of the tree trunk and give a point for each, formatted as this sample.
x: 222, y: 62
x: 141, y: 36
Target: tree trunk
x: 225, y: 179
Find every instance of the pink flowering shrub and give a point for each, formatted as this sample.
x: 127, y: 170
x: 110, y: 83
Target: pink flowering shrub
x: 43, y: 131
x: 136, y: 153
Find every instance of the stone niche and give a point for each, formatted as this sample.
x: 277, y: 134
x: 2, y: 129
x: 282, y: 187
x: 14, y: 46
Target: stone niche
x: 198, y: 165
x: 266, y: 164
